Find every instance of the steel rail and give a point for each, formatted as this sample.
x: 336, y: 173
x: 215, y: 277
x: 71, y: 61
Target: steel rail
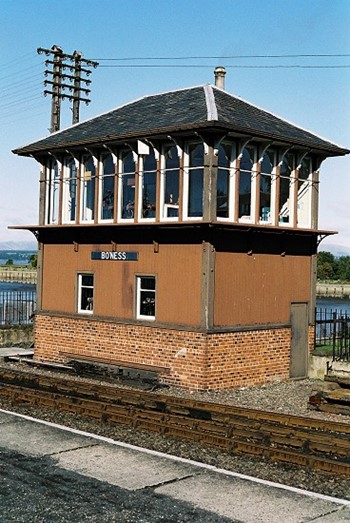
x: 317, y: 444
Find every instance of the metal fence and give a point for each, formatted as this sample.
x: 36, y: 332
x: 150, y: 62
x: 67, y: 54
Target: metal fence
x: 332, y: 332
x: 17, y: 307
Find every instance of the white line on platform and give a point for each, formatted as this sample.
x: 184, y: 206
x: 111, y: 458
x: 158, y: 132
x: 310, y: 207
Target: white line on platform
x: 186, y: 461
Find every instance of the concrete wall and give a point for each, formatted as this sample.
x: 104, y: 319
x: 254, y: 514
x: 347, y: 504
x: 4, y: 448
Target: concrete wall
x: 17, y: 336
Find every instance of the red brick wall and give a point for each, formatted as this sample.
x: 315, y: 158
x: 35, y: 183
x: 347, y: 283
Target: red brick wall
x: 195, y: 360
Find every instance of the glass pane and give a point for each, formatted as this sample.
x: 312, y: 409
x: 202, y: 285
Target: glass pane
x: 149, y: 181
x: 87, y: 279
x: 148, y: 283
x: 265, y: 188
x: 285, y: 183
x: 107, y: 197
x: 245, y: 182
x: 128, y: 186
x: 128, y: 195
x: 196, y: 152
x: 72, y: 194
x: 304, y: 188
x: 170, y: 198
x: 195, y: 192
x: 223, y: 193
x: 147, y: 303
x: 171, y: 157
x: 128, y: 164
x: 54, y: 192
x: 224, y: 157
x: 88, y: 208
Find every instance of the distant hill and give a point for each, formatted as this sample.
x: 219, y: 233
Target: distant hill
x: 19, y: 246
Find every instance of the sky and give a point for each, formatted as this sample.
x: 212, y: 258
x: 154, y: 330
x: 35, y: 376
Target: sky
x: 312, y: 92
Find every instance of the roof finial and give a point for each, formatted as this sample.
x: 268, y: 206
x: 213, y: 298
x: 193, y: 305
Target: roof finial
x: 219, y: 73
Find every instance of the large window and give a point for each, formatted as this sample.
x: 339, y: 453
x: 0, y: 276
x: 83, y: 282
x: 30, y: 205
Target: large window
x: 69, y: 190
x: 107, y: 188
x: 286, y: 170
x: 148, y: 185
x: 85, y: 293
x: 267, y: 166
x: 194, y: 175
x: 146, y: 297
x: 170, y: 183
x: 245, y: 183
x: 223, y: 182
x: 127, y: 186
x: 52, y: 191
x: 88, y: 187
x: 304, y: 193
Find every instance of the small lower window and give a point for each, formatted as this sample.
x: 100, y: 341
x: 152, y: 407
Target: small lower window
x: 86, y: 293
x: 146, y: 297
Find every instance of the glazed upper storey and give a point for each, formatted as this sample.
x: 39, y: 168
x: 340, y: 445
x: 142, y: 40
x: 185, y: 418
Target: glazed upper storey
x: 194, y: 154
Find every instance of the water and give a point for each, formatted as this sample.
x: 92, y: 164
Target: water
x: 334, y: 304
x: 18, y: 287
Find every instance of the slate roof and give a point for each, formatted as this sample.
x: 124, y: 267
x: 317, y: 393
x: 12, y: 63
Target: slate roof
x: 196, y: 107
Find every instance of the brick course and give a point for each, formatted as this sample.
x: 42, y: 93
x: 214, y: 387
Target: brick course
x: 195, y: 360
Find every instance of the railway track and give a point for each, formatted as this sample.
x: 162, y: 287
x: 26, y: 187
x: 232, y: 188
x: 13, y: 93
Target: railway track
x: 307, y: 442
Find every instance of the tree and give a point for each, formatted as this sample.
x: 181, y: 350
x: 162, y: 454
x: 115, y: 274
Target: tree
x: 33, y: 261
x: 9, y: 262
x: 326, y: 264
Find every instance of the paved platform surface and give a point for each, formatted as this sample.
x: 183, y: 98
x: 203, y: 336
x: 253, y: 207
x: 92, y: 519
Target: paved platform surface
x: 15, y: 351
x: 45, y: 467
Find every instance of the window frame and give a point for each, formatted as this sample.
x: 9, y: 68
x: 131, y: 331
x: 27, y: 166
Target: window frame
x: 186, y: 185
x: 141, y: 176
x: 66, y: 180
x: 138, y: 291
x: 102, y: 176
x: 121, y: 175
x: 83, y: 189
x: 80, y: 287
x: 163, y: 174
x: 232, y: 176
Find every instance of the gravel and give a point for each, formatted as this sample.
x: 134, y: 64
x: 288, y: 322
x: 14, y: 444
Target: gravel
x: 290, y: 397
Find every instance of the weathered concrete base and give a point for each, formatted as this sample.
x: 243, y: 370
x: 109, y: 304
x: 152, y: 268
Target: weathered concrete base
x: 318, y: 366
x: 16, y: 336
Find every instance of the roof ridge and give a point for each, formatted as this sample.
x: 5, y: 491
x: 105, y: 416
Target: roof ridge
x: 212, y: 112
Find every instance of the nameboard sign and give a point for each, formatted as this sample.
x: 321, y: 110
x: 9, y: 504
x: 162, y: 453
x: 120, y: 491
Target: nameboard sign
x: 114, y: 255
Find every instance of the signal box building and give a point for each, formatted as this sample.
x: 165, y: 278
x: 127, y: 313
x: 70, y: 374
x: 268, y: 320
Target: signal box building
x: 178, y: 234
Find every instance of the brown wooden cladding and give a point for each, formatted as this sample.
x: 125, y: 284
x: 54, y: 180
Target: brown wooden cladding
x: 258, y: 288
x: 177, y: 269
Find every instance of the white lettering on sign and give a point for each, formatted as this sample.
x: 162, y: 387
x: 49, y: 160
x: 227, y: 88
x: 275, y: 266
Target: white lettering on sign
x: 117, y: 255
x: 114, y: 255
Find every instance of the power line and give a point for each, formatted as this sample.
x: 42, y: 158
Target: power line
x: 178, y: 66
x: 310, y: 55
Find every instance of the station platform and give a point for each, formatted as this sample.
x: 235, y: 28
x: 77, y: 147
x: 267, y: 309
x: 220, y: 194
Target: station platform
x: 15, y: 351
x: 223, y: 495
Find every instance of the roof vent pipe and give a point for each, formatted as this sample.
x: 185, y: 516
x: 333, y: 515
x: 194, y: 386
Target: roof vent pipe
x: 219, y: 73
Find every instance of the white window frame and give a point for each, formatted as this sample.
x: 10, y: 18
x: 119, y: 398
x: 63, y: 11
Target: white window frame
x: 273, y: 193
x: 139, y: 290
x: 101, y: 177
x: 83, y: 189
x: 121, y: 174
x: 140, y: 195
x: 306, y: 198
x: 52, y: 191
x: 79, y: 294
x: 65, y: 191
x: 186, y: 181
x: 163, y: 171
x: 231, y: 184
